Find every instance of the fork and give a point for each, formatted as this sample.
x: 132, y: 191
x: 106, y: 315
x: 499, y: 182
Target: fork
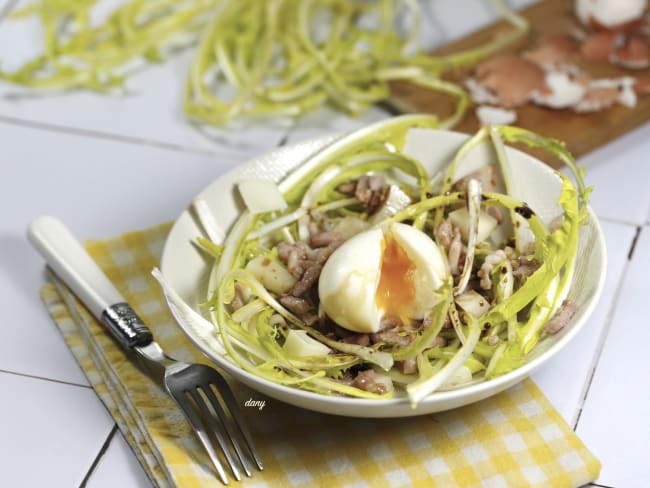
x: 201, y: 392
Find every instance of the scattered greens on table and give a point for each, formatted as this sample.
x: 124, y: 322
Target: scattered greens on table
x: 468, y: 334
x: 79, y: 53
x: 254, y: 58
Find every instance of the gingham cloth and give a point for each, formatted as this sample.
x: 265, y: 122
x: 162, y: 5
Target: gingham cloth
x: 513, y: 439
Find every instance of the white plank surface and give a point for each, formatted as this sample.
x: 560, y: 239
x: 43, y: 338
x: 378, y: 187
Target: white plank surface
x: 615, y: 419
x: 51, y: 432
x: 621, y: 177
x: 101, y: 188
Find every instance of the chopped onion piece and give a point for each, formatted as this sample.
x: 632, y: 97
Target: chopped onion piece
x: 298, y: 343
x: 473, y: 303
x: 486, y: 223
x: 273, y: 275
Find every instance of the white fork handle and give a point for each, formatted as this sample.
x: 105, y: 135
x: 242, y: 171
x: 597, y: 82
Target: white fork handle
x: 70, y: 261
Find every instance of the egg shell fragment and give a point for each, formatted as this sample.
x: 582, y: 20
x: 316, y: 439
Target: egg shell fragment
x: 609, y: 13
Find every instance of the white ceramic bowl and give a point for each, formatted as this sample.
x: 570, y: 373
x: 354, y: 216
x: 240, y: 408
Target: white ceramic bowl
x: 187, y: 270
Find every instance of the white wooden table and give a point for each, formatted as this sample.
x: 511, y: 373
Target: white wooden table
x: 108, y: 165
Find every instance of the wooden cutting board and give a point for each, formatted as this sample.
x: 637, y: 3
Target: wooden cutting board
x: 582, y: 133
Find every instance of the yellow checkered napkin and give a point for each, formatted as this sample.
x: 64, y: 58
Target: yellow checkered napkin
x: 513, y: 439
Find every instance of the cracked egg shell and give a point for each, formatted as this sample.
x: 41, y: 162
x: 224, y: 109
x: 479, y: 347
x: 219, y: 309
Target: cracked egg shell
x: 605, y: 92
x: 379, y: 273
x: 633, y: 54
x: 642, y: 84
x: 599, y: 46
x: 553, y: 50
x: 609, y: 13
x: 512, y: 79
x: 565, y: 91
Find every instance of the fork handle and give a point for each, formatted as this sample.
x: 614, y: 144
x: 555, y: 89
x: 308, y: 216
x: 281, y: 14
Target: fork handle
x: 70, y: 261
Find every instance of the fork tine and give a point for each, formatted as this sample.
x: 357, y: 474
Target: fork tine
x: 197, y: 425
x: 229, y: 398
x: 222, y: 415
x: 216, y: 431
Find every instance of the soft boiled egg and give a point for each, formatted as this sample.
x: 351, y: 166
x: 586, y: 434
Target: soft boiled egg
x: 381, y: 272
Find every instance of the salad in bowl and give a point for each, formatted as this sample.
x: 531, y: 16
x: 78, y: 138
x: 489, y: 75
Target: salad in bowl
x: 394, y: 266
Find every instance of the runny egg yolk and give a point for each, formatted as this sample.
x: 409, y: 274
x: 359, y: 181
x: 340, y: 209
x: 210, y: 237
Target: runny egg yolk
x: 396, y: 290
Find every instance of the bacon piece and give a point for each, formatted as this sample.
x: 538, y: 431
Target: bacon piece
x: 372, y: 191
x: 367, y: 381
x: 562, y: 317
x: 306, y: 281
x: 490, y: 262
x: 239, y: 299
x: 296, y: 305
x: 359, y: 339
x: 523, y: 267
x: 325, y: 239
x: 394, y: 336
x: 408, y: 366
x: 455, y: 253
x: 294, y: 256
x: 389, y: 322
x: 445, y: 234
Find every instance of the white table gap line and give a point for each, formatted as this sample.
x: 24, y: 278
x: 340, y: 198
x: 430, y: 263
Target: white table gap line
x: 98, y: 458
x: 604, y: 333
